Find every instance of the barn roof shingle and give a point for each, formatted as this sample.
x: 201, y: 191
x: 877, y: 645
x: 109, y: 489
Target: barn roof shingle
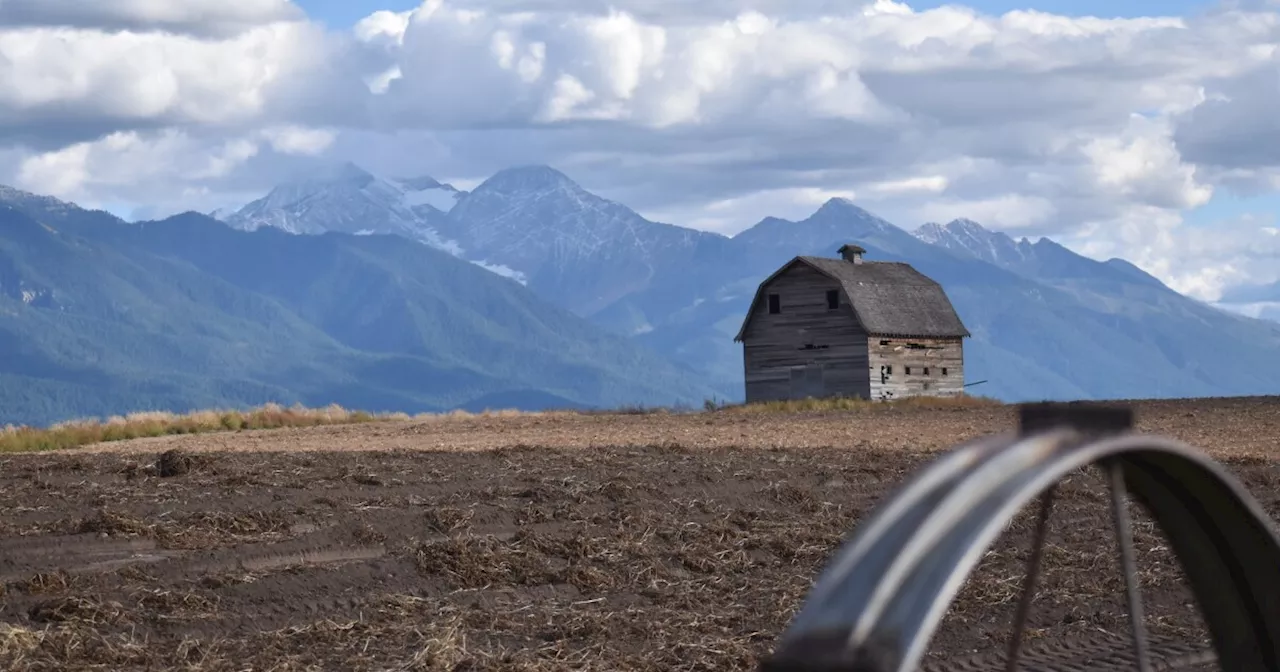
x: 889, y: 298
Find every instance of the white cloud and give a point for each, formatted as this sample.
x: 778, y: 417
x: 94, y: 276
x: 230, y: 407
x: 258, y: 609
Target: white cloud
x: 299, y: 140
x: 1200, y: 261
x: 916, y: 186
x: 383, y: 26
x: 196, y: 16
x: 63, y: 172
x: 527, y: 69
x: 1142, y: 163
x: 124, y: 79
x: 1002, y: 212
x: 147, y: 169
x: 1099, y: 131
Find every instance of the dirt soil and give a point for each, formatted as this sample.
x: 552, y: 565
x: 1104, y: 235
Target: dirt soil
x: 628, y: 542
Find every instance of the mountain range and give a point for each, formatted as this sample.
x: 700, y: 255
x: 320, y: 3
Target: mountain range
x: 99, y: 316
x: 1048, y: 323
x: 531, y: 291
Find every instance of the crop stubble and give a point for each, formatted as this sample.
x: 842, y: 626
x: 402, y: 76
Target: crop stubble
x: 647, y: 542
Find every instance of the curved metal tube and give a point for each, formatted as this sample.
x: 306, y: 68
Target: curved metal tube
x: 877, y: 541
x: 1223, y: 539
x: 878, y: 609
x: 843, y: 599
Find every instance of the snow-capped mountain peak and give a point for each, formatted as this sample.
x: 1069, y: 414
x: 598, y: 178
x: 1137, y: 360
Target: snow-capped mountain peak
x: 837, y: 221
x: 222, y: 214
x: 968, y: 236
x: 843, y: 211
x: 428, y: 192
x: 968, y: 227
x: 349, y: 199
x: 346, y: 198
x: 520, y: 210
x: 529, y: 179
x: 840, y: 203
x: 22, y: 198
x: 537, y: 220
x: 934, y: 232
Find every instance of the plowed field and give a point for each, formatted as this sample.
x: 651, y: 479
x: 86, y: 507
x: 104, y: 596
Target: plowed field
x: 625, y: 542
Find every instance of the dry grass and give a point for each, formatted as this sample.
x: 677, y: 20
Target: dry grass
x: 147, y: 424
x: 200, y: 529
x: 960, y: 401
x: 161, y: 423
x: 16, y: 642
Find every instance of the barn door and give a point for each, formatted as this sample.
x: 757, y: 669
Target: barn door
x: 808, y: 381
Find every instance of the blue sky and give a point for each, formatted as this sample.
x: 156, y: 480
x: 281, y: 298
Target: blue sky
x: 341, y: 13
x: 1228, y: 206
x: 1102, y: 8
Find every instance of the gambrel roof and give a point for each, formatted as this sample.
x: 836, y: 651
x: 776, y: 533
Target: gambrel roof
x: 888, y: 298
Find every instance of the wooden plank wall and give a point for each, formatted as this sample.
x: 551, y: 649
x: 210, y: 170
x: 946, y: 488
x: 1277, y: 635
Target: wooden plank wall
x: 773, y: 344
x: 935, y: 355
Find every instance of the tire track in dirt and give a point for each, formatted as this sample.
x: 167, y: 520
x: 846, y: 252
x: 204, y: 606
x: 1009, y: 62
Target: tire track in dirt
x: 73, y: 554
x: 325, y: 570
x: 1100, y: 652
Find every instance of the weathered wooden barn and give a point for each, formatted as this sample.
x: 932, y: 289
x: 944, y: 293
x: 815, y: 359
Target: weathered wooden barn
x: 848, y: 327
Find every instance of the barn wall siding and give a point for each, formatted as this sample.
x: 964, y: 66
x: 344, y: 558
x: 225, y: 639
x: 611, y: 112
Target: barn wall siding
x: 918, y: 354
x: 773, y: 345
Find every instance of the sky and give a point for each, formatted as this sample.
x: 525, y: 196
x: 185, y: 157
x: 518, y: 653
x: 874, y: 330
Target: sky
x: 1148, y: 135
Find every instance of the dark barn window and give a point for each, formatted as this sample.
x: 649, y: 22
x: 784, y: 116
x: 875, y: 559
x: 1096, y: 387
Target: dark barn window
x: 944, y: 370
x: 926, y: 370
x: 775, y: 304
x: 833, y: 299
x: 908, y: 370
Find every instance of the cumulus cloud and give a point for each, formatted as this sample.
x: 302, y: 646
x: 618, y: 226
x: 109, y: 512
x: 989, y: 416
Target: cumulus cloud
x: 202, y: 17
x: 1236, y: 127
x: 1098, y: 131
x: 1200, y: 261
x: 524, y: 69
x: 60, y: 86
x: 299, y: 140
x: 124, y: 159
x: 853, y: 94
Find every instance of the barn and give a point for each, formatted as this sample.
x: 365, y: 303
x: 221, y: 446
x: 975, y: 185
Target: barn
x: 847, y: 327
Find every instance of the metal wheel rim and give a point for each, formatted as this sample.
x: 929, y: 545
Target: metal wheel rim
x: 881, y: 599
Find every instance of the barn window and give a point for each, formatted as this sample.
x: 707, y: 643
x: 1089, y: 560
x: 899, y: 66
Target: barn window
x: 889, y: 369
x: 926, y: 370
x: 833, y: 299
x: 908, y: 370
x: 944, y: 370
x: 775, y: 304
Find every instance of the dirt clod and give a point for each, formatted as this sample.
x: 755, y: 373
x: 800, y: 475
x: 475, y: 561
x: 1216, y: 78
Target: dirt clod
x: 173, y: 463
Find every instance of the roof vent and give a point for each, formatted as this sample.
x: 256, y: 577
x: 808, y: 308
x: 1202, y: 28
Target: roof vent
x: 852, y: 253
